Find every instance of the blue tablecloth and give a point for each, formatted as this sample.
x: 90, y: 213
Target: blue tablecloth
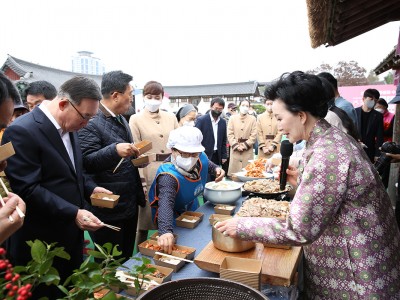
x: 198, y: 238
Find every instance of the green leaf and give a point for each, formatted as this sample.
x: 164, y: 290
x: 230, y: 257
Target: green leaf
x: 97, y: 254
x: 50, y: 279
x: 63, y: 289
x: 38, y: 251
x: 59, y: 252
x: 116, y: 252
x: 45, y: 266
x: 101, y: 249
x: 108, y: 247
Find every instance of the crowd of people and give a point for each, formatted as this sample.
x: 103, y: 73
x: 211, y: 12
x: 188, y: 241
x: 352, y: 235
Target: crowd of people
x: 68, y: 143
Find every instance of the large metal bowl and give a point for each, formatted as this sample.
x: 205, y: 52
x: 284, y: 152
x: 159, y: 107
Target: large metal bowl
x: 228, y: 244
x: 222, y: 196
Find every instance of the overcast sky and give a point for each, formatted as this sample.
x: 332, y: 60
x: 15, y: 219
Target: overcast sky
x: 180, y: 42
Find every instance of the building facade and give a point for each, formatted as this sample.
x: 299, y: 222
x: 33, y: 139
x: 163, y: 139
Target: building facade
x: 85, y: 63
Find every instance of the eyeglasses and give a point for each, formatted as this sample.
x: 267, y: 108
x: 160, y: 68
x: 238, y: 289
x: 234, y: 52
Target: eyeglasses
x: 87, y: 118
x: 187, y: 155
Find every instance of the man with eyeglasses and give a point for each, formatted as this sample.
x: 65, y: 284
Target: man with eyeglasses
x: 106, y: 140
x: 47, y: 172
x: 179, y: 181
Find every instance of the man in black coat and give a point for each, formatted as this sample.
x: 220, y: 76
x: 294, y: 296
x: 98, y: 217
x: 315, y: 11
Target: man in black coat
x: 46, y: 171
x: 213, y: 128
x: 370, y: 124
x: 106, y: 140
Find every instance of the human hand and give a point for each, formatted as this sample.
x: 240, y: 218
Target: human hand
x: 8, y: 227
x: 126, y: 150
x: 166, y: 241
x: 224, y: 160
x: 99, y: 189
x: 292, y: 175
x: 3, y: 165
x: 395, y: 157
x: 228, y: 227
x: 240, y: 148
x: 265, y: 150
x: 219, y: 174
x: 85, y: 220
x: 271, y: 149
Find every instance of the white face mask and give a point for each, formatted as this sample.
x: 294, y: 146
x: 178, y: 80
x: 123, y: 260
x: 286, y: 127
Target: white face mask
x: 188, y: 123
x: 370, y: 103
x: 244, y: 110
x: 380, y: 110
x: 152, y: 105
x: 186, y: 164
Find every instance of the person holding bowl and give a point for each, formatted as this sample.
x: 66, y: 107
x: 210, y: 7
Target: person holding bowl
x: 340, y: 213
x: 179, y: 181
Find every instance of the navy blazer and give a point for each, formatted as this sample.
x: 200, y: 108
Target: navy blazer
x: 374, y: 132
x: 42, y: 174
x: 204, y: 124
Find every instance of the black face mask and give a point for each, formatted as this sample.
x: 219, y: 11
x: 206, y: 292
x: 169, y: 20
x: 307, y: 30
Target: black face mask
x: 216, y: 113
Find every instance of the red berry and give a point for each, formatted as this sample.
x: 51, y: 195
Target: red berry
x: 16, y: 277
x: 11, y: 293
x: 9, y: 286
x: 3, y: 265
x: 2, y: 251
x: 28, y: 286
x: 8, y: 276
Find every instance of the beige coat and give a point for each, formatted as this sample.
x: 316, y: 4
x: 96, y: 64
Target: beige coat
x: 154, y: 127
x: 267, y: 134
x: 245, y: 128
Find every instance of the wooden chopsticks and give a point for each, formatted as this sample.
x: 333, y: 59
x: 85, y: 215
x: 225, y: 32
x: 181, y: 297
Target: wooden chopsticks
x: 87, y: 219
x: 120, y: 162
x: 19, y: 211
x: 174, y: 257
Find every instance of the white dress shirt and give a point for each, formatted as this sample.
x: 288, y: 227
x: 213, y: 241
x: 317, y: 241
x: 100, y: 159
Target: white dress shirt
x: 215, y: 129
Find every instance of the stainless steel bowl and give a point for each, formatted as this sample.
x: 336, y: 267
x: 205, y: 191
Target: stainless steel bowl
x: 228, y: 244
x: 222, y: 196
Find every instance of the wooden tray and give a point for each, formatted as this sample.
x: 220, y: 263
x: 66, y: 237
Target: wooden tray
x: 278, y: 268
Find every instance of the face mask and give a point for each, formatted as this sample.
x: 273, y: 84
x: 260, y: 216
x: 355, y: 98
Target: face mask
x: 370, y: 103
x: 380, y: 110
x: 216, y: 113
x: 244, y: 110
x: 269, y: 108
x: 186, y: 164
x: 188, y: 123
x: 152, y: 105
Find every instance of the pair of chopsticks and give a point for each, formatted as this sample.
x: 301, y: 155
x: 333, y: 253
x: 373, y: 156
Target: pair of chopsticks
x: 86, y: 219
x: 19, y: 211
x: 174, y: 257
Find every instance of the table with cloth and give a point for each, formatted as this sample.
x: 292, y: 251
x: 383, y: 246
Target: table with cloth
x: 275, y: 260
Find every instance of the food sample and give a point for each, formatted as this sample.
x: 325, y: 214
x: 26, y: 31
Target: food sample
x: 227, y: 207
x: 156, y: 273
x: 107, y: 198
x: 171, y: 261
x: 264, y: 186
x: 258, y: 207
x: 256, y: 168
x: 222, y: 185
x: 189, y: 220
x: 158, y: 248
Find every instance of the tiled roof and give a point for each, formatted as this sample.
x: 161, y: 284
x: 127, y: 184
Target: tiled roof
x: 391, y: 61
x: 38, y: 72
x: 224, y: 89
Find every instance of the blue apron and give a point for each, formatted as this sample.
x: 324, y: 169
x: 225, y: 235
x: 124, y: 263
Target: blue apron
x: 187, y: 191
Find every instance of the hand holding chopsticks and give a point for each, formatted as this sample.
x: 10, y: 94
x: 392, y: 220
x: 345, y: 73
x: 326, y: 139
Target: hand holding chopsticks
x: 125, y: 150
x: 19, y: 211
x: 87, y: 219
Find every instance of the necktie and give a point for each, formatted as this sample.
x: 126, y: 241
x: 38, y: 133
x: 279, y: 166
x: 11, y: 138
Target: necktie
x: 119, y: 119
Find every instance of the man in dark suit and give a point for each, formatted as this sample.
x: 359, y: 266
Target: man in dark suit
x: 213, y: 128
x: 370, y: 124
x: 47, y: 172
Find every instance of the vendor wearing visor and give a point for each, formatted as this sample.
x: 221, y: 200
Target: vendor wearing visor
x: 179, y: 181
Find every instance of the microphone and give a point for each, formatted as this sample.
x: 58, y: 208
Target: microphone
x: 286, y: 152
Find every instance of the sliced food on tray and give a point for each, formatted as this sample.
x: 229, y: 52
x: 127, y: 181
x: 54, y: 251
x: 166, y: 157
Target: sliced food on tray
x: 259, y: 207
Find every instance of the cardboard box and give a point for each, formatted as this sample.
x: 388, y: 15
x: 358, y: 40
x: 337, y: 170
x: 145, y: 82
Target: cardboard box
x: 155, y: 235
x: 143, y: 146
x: 193, y: 214
x: 243, y: 270
x: 189, y: 251
x: 144, y: 159
x: 218, y: 217
x: 175, y: 267
x: 164, y: 270
x: 223, y: 209
x: 6, y: 151
x: 97, y: 200
x: 149, y: 247
x: 186, y: 224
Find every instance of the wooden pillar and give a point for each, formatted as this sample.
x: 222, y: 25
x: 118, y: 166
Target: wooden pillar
x: 394, y: 168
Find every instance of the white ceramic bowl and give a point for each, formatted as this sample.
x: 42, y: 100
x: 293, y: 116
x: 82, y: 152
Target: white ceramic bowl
x: 229, y: 195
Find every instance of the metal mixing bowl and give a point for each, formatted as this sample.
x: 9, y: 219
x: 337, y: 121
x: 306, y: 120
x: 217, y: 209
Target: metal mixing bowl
x: 228, y: 244
x: 222, y: 196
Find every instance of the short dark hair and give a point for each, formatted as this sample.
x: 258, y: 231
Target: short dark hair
x: 328, y: 76
x: 114, y: 81
x: 241, y: 101
x: 3, y: 92
x: 11, y: 89
x: 78, y: 88
x: 382, y: 102
x: 153, y: 88
x: 217, y: 100
x: 300, y: 92
x: 372, y: 93
x: 41, y: 87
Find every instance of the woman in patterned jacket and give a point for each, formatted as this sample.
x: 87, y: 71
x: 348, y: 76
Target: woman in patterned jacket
x: 340, y: 213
